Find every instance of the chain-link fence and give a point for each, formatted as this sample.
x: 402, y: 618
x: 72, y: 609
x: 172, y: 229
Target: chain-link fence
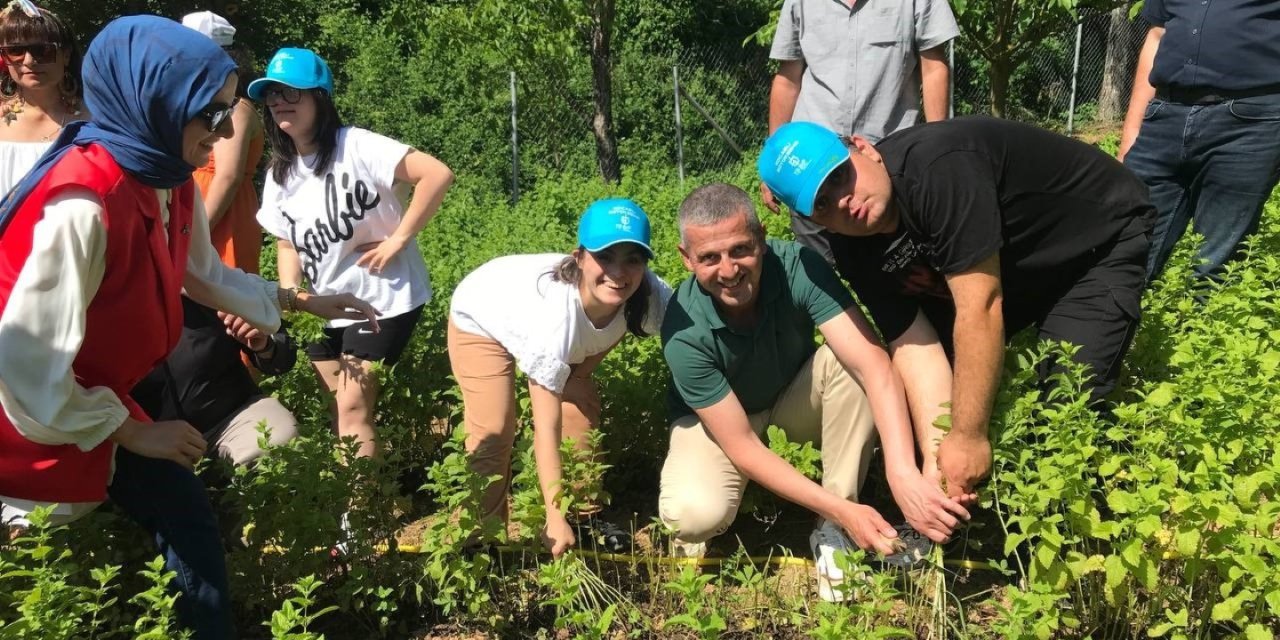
x: 699, y: 110
x: 1079, y: 76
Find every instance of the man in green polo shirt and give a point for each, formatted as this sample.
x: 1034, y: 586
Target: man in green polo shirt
x: 738, y: 337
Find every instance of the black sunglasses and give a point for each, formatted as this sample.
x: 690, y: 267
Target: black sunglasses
x: 40, y: 52
x: 215, y: 116
x: 282, y: 91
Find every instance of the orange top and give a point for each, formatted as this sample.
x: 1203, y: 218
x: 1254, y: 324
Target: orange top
x: 237, y: 237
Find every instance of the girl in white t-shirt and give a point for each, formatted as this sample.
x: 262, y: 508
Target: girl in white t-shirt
x: 554, y: 317
x: 330, y: 197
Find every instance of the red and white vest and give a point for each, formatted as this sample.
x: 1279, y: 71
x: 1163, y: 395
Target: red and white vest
x: 132, y: 323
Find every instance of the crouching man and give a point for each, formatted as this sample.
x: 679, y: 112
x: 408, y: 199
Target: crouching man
x: 956, y: 235
x: 739, y: 340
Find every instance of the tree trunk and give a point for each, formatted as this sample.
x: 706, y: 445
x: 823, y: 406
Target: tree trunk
x: 602, y: 12
x: 1117, y: 71
x: 998, y: 72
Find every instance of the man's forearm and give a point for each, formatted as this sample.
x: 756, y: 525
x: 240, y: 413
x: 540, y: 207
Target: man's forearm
x: 935, y: 84
x: 784, y: 92
x: 773, y: 473
x: 1142, y: 93
x: 979, y: 355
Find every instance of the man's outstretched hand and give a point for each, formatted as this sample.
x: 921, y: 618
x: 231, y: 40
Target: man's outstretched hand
x: 964, y: 461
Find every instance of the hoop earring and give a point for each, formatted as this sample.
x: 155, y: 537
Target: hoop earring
x: 8, y: 88
x: 70, y: 89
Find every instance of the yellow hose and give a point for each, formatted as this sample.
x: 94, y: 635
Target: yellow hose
x: 623, y: 558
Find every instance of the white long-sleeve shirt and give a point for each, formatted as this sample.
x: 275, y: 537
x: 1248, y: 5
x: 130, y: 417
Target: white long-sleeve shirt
x: 47, y: 309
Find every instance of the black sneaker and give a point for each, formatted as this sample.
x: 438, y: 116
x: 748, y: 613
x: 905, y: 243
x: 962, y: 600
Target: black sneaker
x: 602, y: 535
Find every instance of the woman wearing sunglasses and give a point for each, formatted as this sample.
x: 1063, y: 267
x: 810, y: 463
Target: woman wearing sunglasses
x: 39, y: 90
x: 331, y: 199
x: 39, y: 94
x: 226, y: 181
x: 97, y: 244
x: 555, y: 318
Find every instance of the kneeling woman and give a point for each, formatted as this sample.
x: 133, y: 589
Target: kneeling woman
x: 554, y: 317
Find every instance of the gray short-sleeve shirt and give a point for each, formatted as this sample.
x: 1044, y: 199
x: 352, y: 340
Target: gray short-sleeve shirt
x: 861, y: 72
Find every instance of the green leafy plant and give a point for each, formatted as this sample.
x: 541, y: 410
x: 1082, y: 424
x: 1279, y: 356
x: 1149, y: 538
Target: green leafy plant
x: 158, y: 618
x: 457, y: 578
x: 700, y: 614
x: 293, y: 620
x: 41, y: 592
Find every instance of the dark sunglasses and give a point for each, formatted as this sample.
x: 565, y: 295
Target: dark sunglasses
x: 834, y: 187
x: 282, y: 91
x: 215, y: 116
x: 40, y: 51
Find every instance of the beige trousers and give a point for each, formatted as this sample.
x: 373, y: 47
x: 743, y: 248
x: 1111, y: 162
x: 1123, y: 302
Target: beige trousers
x: 237, y: 436
x: 701, y: 489
x: 486, y: 373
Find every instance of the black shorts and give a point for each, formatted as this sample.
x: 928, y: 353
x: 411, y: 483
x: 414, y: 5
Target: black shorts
x: 361, y: 341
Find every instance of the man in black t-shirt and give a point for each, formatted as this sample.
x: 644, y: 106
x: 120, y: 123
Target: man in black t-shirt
x: 957, y: 234
x: 204, y: 381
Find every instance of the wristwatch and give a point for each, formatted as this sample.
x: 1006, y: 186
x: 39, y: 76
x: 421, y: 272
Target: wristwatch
x: 271, y: 343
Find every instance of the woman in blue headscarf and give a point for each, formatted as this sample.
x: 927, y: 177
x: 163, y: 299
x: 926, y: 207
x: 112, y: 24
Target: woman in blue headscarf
x: 96, y: 246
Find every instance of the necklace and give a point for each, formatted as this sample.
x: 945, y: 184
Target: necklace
x: 61, y: 123
x: 18, y: 106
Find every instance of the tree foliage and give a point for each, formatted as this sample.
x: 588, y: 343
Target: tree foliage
x: 1004, y: 32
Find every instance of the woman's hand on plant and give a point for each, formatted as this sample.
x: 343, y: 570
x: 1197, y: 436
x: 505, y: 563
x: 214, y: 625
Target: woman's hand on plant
x: 867, y: 528
x: 174, y: 440
x: 933, y: 475
x: 924, y: 505
x: 342, y: 306
x: 378, y: 254
x: 557, y: 534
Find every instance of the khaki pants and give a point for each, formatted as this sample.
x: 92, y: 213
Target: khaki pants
x: 701, y: 489
x: 236, y: 439
x: 486, y: 373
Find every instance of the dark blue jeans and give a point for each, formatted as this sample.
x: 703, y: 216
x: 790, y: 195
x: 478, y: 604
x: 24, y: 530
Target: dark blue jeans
x: 171, y: 504
x: 1211, y: 165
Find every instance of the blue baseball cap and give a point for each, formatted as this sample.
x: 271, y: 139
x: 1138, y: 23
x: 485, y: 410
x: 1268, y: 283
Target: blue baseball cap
x: 297, y: 68
x: 797, y: 159
x: 611, y: 221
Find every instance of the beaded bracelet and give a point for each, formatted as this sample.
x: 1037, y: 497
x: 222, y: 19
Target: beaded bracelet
x: 287, y: 297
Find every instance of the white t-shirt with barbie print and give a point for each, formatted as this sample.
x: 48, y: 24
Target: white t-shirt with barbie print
x: 514, y: 301
x: 353, y: 203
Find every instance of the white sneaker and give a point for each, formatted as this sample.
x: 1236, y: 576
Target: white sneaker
x: 341, y: 548
x: 913, y: 548
x: 696, y: 550
x: 825, y: 541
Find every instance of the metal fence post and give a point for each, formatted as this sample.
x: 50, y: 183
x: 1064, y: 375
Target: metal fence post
x: 1075, y: 72
x: 515, y: 146
x: 675, y: 86
x: 951, y: 85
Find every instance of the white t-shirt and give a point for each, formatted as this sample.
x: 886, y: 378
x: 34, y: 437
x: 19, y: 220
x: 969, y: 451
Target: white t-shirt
x: 514, y: 301
x: 353, y: 203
